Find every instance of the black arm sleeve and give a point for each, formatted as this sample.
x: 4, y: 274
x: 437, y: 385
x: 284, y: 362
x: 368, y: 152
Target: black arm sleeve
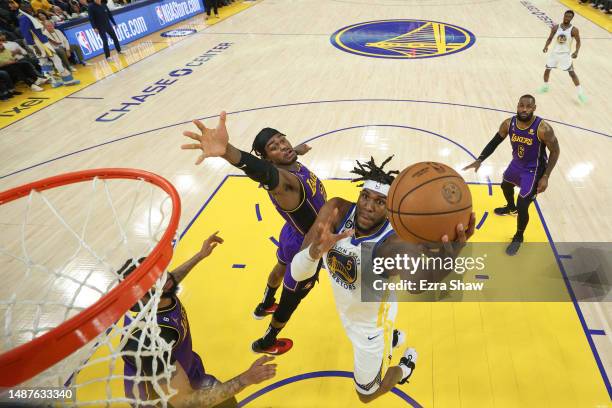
x: 490, y: 147
x: 259, y: 170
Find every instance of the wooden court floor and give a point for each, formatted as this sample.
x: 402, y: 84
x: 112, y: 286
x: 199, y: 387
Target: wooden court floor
x: 273, y: 65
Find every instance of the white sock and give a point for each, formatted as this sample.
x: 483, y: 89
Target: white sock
x: 579, y: 89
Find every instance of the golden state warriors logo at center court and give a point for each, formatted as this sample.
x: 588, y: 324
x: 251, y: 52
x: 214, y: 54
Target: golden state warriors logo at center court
x: 402, y: 39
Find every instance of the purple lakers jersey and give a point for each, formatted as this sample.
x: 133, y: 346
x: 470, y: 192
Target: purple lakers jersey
x: 174, y: 326
x: 313, y: 198
x: 527, y: 150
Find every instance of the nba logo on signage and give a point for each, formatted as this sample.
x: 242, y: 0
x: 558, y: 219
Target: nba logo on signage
x: 84, y: 42
x: 160, y: 15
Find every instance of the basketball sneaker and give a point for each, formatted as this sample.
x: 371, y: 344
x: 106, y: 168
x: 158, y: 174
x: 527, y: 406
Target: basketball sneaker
x: 543, y: 89
x: 262, y: 311
x: 505, y: 210
x: 278, y: 347
x: 407, y: 363
x: 398, y: 338
x: 514, y: 246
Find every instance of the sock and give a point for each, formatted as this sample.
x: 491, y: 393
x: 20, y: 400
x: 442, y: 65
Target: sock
x: 270, y: 336
x: 269, y: 293
x: 579, y: 89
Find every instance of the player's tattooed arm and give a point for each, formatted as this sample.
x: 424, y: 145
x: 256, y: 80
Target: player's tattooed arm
x: 208, y: 397
x: 547, y: 135
x: 209, y: 244
x: 504, y: 128
x: 576, y: 35
x: 491, y: 146
x: 553, y: 30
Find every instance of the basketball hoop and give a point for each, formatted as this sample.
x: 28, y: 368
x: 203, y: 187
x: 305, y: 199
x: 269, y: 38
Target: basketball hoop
x: 25, y: 361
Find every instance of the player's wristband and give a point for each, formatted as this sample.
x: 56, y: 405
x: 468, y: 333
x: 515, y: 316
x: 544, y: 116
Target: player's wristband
x: 303, y: 266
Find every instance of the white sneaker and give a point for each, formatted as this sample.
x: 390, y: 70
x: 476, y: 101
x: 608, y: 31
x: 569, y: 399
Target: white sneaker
x: 73, y: 69
x: 408, y: 360
x: 41, y: 81
x: 36, y: 88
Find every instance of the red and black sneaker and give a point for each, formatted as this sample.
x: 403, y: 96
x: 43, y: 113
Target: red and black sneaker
x: 280, y: 346
x: 262, y: 311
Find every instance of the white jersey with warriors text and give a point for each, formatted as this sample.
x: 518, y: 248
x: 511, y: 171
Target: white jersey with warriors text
x: 562, y: 40
x: 343, y: 262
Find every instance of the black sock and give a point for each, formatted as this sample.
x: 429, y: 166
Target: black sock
x: 270, y: 335
x: 268, y: 299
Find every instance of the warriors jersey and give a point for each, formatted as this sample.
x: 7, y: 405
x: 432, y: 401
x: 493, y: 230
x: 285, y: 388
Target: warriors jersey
x: 562, y: 40
x: 343, y: 262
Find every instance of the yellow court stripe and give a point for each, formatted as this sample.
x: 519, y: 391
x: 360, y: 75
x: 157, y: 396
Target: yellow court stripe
x: 30, y: 102
x: 594, y: 15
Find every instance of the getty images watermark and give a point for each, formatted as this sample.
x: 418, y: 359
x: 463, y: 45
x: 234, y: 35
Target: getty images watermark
x: 482, y: 272
x: 426, y: 273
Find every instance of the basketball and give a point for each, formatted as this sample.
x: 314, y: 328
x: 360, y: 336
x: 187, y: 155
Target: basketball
x: 426, y: 201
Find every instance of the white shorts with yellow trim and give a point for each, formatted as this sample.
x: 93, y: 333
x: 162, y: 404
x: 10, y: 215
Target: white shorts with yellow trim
x: 372, y: 348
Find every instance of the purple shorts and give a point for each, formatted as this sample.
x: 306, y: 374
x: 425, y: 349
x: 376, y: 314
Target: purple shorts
x: 290, y: 241
x: 523, y: 178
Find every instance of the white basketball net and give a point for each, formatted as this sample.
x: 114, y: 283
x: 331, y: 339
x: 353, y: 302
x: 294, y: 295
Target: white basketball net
x: 60, y: 251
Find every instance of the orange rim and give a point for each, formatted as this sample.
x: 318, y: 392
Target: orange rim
x: 27, y: 360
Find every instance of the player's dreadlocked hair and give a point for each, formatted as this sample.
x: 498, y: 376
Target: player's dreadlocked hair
x: 370, y: 171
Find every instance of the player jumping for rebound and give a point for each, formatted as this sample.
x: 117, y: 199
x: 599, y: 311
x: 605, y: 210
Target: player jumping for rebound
x: 561, y: 54
x: 297, y: 194
x: 196, y: 387
x: 529, y: 169
x: 336, y: 237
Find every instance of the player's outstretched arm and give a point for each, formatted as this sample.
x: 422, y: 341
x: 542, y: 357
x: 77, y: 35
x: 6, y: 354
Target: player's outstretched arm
x: 547, y: 135
x: 320, y: 239
x: 209, y: 244
x: 208, y: 397
x: 491, y: 146
x: 553, y: 30
x: 284, y: 185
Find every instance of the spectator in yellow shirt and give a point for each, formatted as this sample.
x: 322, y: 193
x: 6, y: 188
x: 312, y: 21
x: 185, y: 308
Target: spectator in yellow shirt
x: 43, y: 5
